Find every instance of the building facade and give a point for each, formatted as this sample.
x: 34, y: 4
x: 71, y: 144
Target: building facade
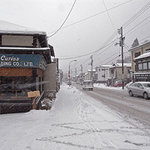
x: 137, y: 51
x: 116, y: 73
x: 142, y: 67
x: 24, y: 58
x: 139, y: 63
x: 103, y: 73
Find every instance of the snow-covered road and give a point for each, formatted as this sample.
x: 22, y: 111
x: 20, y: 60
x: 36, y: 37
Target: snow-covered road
x: 76, y: 121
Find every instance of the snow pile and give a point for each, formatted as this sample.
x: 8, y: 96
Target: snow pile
x: 100, y: 85
x: 76, y: 121
x: 8, y: 27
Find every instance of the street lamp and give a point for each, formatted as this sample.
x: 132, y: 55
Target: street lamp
x: 69, y: 71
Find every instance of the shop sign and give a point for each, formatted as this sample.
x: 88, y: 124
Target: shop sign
x: 22, y: 61
x: 143, y: 77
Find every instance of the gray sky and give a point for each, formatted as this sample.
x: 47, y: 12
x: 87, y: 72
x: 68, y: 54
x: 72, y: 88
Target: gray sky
x: 86, y: 36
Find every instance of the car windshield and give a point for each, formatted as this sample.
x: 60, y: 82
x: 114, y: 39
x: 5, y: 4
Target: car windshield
x: 146, y: 85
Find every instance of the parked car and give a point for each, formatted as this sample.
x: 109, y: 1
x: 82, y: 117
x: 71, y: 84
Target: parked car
x: 69, y: 83
x: 139, y: 89
x: 87, y: 85
x: 128, y: 84
x: 118, y: 83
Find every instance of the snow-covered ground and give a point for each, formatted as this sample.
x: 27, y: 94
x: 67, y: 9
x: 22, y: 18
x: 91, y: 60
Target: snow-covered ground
x: 76, y: 121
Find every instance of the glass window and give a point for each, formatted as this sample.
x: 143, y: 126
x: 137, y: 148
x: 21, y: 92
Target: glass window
x: 146, y: 84
x: 135, y: 84
x: 144, y: 66
x: 148, y: 65
x: 140, y: 66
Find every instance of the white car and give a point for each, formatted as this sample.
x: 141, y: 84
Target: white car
x: 139, y: 89
x: 87, y: 85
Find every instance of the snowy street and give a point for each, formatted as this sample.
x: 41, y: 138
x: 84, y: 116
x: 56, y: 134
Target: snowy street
x: 76, y: 121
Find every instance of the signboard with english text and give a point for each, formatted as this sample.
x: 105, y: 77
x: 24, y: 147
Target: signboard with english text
x: 22, y: 61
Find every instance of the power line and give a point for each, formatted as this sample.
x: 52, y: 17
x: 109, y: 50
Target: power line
x: 93, y: 52
x: 99, y: 13
x: 64, y: 20
x: 138, y: 25
x: 108, y: 15
x: 139, y: 13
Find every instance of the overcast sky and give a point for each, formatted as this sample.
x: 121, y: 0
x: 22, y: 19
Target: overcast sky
x: 86, y: 36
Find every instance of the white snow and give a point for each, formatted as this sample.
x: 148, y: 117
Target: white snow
x: 120, y: 65
x: 76, y: 121
x: 8, y: 27
x: 143, y: 56
x: 104, y: 86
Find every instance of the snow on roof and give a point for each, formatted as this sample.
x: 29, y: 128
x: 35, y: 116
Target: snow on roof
x: 120, y: 65
x: 106, y: 66
x: 141, y: 45
x: 143, y: 56
x: 125, y: 64
x: 11, y: 28
x: 90, y: 70
x: 24, y: 48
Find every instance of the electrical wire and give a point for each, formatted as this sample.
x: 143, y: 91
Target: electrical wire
x: 90, y: 53
x: 138, y: 25
x: 94, y: 15
x: 64, y: 20
x: 139, y: 13
x: 108, y: 15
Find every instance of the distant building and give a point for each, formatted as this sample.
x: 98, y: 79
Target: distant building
x: 103, y: 73
x: 90, y: 75
x: 116, y: 73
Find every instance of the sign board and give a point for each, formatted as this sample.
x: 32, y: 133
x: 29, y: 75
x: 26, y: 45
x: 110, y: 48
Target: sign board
x: 33, y: 94
x: 22, y: 61
x: 142, y: 77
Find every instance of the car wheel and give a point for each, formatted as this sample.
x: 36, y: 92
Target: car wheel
x: 130, y: 93
x: 145, y: 95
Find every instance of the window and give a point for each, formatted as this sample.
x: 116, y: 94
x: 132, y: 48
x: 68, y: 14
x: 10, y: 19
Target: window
x: 145, y: 66
x: 135, y: 84
x: 139, y: 66
x: 112, y: 71
x: 148, y: 65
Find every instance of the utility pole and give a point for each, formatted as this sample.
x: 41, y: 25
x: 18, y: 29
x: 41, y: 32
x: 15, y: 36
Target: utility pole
x: 81, y: 68
x: 91, y: 67
x: 75, y: 74
x: 81, y: 74
x: 121, y: 43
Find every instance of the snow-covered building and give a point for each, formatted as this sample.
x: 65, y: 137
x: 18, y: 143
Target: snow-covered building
x: 25, y: 62
x: 137, y: 51
x: 90, y: 75
x: 103, y: 73
x: 142, y: 67
x: 116, y: 73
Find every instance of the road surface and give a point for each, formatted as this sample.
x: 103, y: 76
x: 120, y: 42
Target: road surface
x: 134, y: 107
